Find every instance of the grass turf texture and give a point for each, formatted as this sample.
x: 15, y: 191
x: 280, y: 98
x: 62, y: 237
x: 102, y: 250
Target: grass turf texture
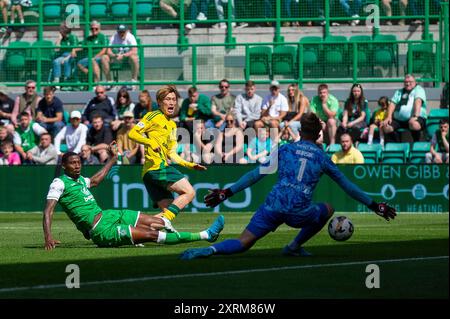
x: 24, y: 262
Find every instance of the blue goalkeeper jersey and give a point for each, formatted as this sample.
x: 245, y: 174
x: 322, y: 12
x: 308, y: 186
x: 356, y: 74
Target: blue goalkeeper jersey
x: 300, y: 166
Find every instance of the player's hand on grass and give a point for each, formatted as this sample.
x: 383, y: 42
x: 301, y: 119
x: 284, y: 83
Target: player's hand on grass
x: 383, y: 210
x: 51, y: 244
x: 199, y: 167
x: 217, y: 196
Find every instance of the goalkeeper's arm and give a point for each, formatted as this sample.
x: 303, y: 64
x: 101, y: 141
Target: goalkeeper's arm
x: 216, y: 196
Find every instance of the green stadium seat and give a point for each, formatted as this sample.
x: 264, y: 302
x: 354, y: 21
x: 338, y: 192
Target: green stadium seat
x: 333, y: 148
x: 144, y: 8
x: 98, y: 9
x: 364, y: 53
x: 396, y: 153
x: 311, y: 47
x: 47, y: 54
x: 67, y: 3
x: 120, y: 8
x: 260, y: 60
x: 437, y: 114
x: 284, y: 60
x: 14, y: 62
x: 371, y: 152
x: 418, y: 151
x: 423, y: 58
x: 335, y: 56
x: 385, y: 51
x: 52, y: 9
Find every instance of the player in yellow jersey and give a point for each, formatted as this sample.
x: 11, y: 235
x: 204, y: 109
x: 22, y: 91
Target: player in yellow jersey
x: 157, y: 132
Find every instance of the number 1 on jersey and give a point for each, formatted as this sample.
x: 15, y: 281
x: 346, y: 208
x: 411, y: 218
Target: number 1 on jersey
x: 301, y: 170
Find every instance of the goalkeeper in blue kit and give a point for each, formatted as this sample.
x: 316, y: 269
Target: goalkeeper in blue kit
x: 300, y: 166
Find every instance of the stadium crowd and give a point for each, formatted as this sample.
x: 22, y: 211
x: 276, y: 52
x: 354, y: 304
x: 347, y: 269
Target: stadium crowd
x: 222, y: 129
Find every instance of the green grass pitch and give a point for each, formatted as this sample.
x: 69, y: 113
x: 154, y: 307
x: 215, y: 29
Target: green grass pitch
x: 404, y: 250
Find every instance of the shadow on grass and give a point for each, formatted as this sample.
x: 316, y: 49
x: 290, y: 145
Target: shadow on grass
x: 158, y: 271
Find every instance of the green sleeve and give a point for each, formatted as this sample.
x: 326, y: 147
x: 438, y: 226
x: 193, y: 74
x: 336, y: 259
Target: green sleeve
x: 313, y: 105
x: 204, y: 105
x: 420, y: 93
x: 334, y: 104
x: 397, y: 97
x: 183, y: 110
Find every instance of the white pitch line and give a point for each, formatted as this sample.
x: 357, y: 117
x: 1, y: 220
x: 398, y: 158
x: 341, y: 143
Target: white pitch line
x: 221, y: 273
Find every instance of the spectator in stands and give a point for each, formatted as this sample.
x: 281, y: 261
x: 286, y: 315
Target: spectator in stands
x: 8, y: 156
x: 287, y: 136
x: 220, y: 14
x: 204, y: 141
x: 349, y: 154
x: 377, y: 120
x: 26, y: 102
x: 73, y: 135
x: 352, y: 9
x: 128, y: 148
x: 259, y: 147
x: 326, y: 107
x: 128, y: 52
x: 16, y: 6
x: 248, y: 106
x: 86, y: 156
x: 298, y: 105
x: 29, y: 133
x: 230, y: 143
x: 196, y: 107
x: 291, y: 10
x: 439, y: 145
x: 123, y: 104
x: 222, y: 104
x: 44, y: 153
x: 268, y: 12
x: 99, y: 137
x: 65, y: 54
x: 388, y: 10
x: 101, y: 104
x: 50, y: 112
x: 4, y: 4
x: 356, y: 109
x: 274, y: 107
x: 6, y: 109
x: 99, y: 42
x: 171, y: 7
x: 407, y: 110
x: 316, y: 9
x: 144, y: 105
x: 199, y: 11
x: 7, y: 136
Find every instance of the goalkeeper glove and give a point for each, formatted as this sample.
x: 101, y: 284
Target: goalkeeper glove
x: 383, y: 210
x: 217, y: 196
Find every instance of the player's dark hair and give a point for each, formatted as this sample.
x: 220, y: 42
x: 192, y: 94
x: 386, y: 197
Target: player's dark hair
x: 310, y: 126
x: 67, y: 155
x: 443, y: 121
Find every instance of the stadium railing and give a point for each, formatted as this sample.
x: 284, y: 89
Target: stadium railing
x: 200, y: 64
x: 429, y: 58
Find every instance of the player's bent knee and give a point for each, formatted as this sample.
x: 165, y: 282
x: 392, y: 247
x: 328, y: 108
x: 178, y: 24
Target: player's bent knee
x: 330, y: 209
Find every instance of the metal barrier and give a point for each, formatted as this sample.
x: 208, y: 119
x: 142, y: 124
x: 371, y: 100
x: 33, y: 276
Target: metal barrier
x: 375, y: 58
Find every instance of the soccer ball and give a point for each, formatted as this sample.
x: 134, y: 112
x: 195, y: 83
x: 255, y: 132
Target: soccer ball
x: 340, y: 228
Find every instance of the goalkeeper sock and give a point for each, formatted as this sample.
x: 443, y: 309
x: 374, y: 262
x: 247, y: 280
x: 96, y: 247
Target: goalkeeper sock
x: 228, y: 247
x: 177, y: 238
x: 171, y: 212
